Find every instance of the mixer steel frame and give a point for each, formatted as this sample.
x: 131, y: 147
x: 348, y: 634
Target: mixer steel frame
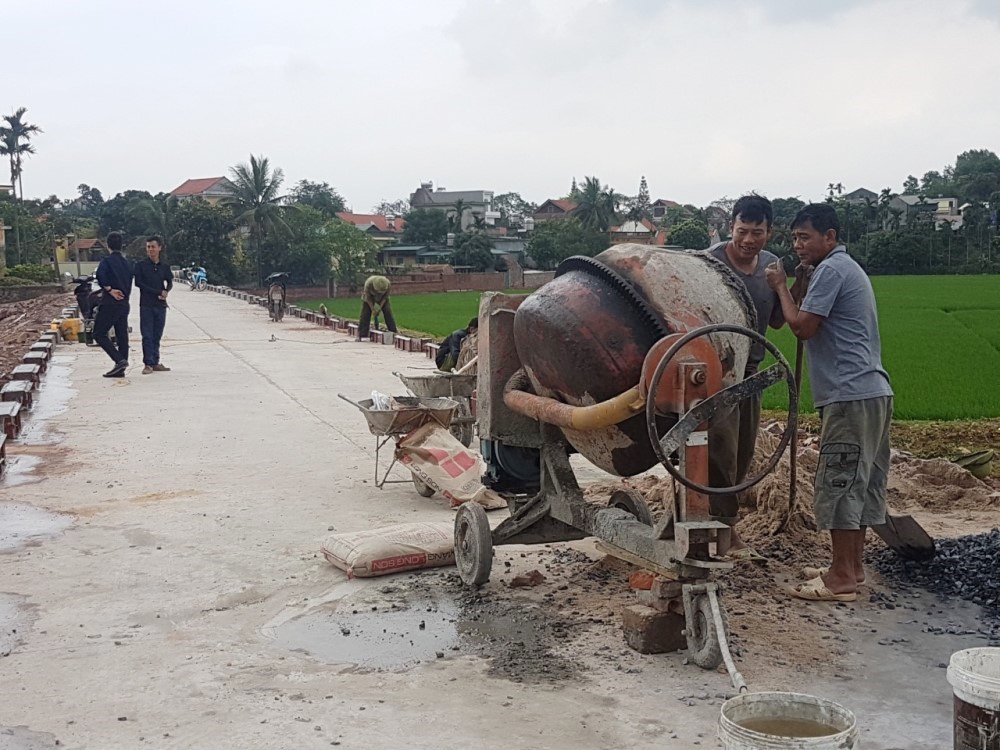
x: 677, y: 547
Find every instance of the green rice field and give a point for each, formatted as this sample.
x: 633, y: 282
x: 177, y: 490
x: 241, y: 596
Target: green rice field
x: 940, y: 340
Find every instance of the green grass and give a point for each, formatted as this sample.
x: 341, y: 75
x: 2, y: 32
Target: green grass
x: 940, y: 344
x: 434, y: 314
x: 940, y: 340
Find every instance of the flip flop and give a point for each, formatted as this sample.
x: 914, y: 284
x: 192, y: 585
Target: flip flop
x: 809, y: 572
x: 745, y: 554
x: 817, y: 591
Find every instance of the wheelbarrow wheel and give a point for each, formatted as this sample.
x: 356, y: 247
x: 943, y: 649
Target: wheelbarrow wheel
x: 424, y: 490
x: 704, y: 645
x: 473, y: 544
x: 463, y: 431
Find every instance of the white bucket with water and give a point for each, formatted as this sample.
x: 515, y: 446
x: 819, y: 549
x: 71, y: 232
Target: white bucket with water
x: 786, y: 721
x: 974, y: 675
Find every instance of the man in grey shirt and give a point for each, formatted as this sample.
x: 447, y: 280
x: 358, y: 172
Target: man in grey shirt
x: 839, y: 323
x: 732, y: 438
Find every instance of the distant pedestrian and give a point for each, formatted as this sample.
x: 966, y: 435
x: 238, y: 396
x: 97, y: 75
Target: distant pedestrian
x: 114, y: 274
x: 839, y: 323
x: 375, y: 301
x: 155, y: 280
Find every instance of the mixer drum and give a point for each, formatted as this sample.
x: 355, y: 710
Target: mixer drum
x: 582, y: 337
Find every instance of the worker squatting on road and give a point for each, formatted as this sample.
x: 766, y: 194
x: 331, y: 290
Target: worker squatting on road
x: 375, y: 301
x: 839, y: 324
x: 732, y: 438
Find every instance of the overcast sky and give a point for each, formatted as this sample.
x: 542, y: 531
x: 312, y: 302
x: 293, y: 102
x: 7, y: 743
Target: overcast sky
x: 705, y: 97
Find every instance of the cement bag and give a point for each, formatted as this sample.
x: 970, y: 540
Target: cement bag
x: 440, y: 461
x: 393, y: 549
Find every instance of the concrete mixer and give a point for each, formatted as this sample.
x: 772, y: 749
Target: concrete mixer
x: 624, y: 358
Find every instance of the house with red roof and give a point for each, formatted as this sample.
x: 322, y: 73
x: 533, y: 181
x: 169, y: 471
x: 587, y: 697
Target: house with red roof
x: 554, y: 208
x: 660, y: 207
x: 212, y: 189
x: 382, y: 229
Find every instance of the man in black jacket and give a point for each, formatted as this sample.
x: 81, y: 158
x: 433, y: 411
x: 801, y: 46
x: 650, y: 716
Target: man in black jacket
x: 114, y: 274
x: 155, y: 280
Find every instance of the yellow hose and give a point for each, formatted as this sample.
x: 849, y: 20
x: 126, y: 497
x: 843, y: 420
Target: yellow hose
x: 582, y: 418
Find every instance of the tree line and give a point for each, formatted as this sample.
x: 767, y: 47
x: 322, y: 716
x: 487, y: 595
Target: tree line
x: 259, y: 228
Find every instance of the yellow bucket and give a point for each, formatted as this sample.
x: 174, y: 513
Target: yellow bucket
x: 70, y: 328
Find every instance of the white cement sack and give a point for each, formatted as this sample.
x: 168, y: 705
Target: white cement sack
x: 439, y: 460
x: 393, y: 549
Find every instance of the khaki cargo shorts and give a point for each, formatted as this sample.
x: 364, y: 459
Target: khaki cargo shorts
x: 853, y: 465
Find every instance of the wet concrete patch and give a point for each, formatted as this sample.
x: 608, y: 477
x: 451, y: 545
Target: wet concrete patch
x: 15, y: 619
x: 51, y: 399
x: 397, y: 626
x: 23, y: 524
x: 22, y: 738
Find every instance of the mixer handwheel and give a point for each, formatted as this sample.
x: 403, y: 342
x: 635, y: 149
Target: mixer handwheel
x: 473, y: 544
x: 667, y: 445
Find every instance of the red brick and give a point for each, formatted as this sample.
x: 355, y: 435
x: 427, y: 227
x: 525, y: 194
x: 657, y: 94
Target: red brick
x: 651, y: 632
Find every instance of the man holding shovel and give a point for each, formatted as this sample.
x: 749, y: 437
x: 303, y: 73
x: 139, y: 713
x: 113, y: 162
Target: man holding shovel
x: 375, y: 301
x: 839, y: 324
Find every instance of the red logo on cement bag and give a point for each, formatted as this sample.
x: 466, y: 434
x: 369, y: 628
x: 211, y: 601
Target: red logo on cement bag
x: 400, y: 561
x: 455, y: 465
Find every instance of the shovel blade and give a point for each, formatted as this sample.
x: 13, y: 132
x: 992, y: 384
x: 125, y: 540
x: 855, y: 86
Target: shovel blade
x: 906, y: 538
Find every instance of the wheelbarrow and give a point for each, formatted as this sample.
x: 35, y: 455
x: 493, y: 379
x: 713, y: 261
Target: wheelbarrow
x: 458, y: 388
x: 394, y: 424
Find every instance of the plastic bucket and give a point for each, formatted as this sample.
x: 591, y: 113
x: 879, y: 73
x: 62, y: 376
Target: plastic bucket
x: 974, y: 675
x: 782, y: 721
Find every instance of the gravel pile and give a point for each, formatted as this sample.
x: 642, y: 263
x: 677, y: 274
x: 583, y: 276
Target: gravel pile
x: 967, y: 568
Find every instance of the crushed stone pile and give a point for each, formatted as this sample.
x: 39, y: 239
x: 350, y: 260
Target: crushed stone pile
x: 20, y: 325
x: 965, y: 567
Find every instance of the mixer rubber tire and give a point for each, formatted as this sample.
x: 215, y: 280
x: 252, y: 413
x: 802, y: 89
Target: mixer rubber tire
x: 424, y: 490
x: 704, y: 646
x: 632, y: 502
x: 473, y: 544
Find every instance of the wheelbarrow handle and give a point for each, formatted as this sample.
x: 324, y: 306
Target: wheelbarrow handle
x: 352, y: 403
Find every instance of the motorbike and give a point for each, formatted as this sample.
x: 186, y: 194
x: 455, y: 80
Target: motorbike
x: 277, y: 291
x: 89, y: 297
x: 197, y: 278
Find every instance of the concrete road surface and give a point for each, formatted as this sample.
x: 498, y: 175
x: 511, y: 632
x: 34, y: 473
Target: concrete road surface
x: 156, y: 612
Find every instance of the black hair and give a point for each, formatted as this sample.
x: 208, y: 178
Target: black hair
x: 755, y: 209
x: 115, y: 242
x: 820, y: 216
x: 155, y: 238
x: 474, y: 323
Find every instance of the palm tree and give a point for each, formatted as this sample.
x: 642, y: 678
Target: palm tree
x: 15, y: 143
x: 455, y: 218
x: 597, y: 208
x: 256, y: 202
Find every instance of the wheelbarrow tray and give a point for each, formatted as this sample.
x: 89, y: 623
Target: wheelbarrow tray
x: 413, y: 413
x: 439, y: 385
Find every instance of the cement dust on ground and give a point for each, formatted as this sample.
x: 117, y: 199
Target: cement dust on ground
x: 187, y: 604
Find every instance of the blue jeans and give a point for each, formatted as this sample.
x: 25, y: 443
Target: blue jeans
x: 151, y: 323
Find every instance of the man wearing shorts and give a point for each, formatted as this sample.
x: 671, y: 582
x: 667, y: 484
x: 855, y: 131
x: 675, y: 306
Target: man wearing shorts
x: 839, y: 323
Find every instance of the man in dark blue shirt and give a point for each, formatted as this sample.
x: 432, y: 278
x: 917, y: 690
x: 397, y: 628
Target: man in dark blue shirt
x: 114, y: 274
x: 154, y: 280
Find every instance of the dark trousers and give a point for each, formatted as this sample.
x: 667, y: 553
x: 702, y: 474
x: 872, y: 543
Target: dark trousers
x: 364, y: 323
x: 731, y: 442
x: 113, y: 315
x: 151, y: 323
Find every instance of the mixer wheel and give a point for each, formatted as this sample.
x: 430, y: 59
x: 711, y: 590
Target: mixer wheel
x: 473, y: 544
x: 630, y: 501
x: 704, y: 647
